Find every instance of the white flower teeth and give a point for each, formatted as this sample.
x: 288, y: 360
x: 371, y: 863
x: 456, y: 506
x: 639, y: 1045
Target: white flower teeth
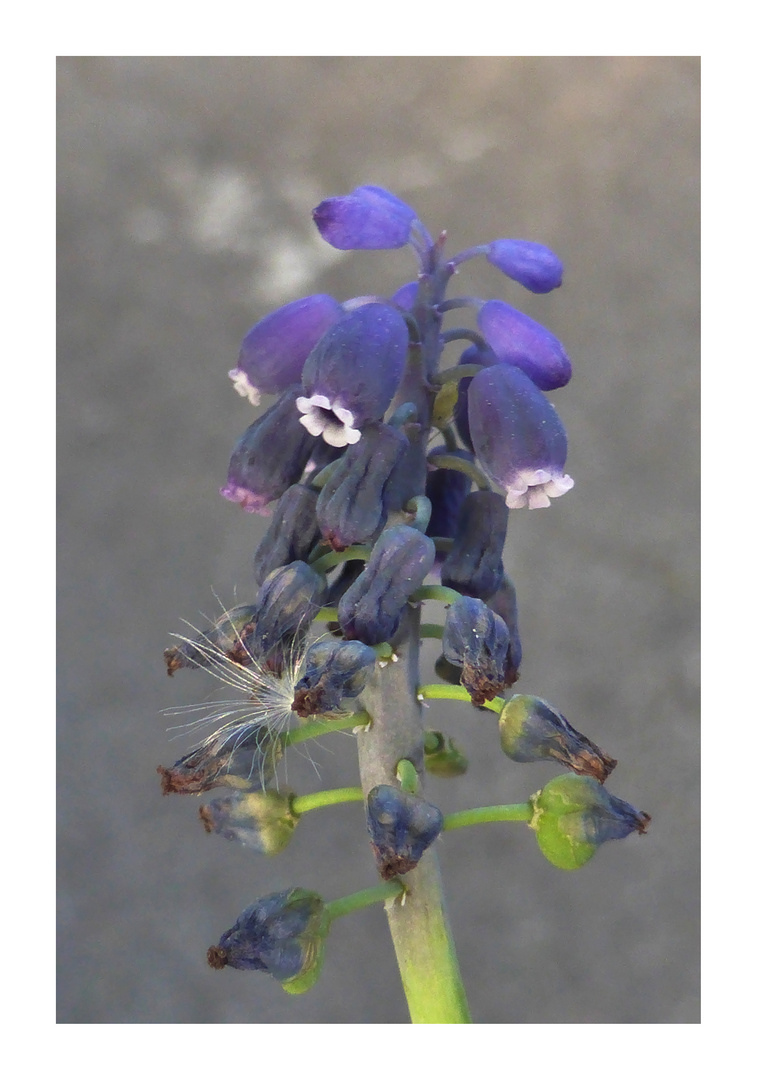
x: 332, y: 422
x: 244, y: 387
x: 533, y: 488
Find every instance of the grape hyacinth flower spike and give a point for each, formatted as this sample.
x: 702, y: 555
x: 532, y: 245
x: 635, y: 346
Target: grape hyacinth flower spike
x: 380, y: 453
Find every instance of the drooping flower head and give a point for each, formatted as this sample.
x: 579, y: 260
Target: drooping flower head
x: 516, y: 339
x: 274, y: 351
x: 401, y: 827
x: 518, y: 437
x: 359, y: 493
x: 532, y: 265
x: 353, y: 373
x: 369, y: 218
x: 476, y: 639
x: 270, y: 456
x: 282, y: 934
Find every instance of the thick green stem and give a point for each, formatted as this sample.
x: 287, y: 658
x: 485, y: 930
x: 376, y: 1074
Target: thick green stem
x: 419, y: 927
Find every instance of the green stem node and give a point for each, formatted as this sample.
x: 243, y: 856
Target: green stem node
x: 407, y: 776
x: 355, y: 901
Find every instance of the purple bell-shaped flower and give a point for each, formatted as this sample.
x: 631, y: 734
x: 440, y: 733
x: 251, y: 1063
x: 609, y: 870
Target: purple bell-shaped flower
x: 353, y: 373
x: 269, y: 457
x: 369, y: 218
x: 274, y: 351
x: 518, y: 437
x: 532, y: 265
x: 518, y: 340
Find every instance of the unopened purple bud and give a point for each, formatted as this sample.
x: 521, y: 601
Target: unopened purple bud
x: 261, y: 820
x: 287, y: 603
x: 518, y: 437
x: 476, y: 639
x: 282, y: 934
x: 473, y: 566
x: 401, y: 827
x: 531, y: 730
x: 505, y: 604
x: 530, y: 264
x: 353, y: 373
x: 274, y: 351
x: 369, y: 218
x: 527, y: 344
x: 447, y: 489
x: 270, y: 456
x: 355, y: 501
x: 334, y: 670
x: 292, y: 533
x: 372, y: 607
x: 406, y: 296
x: 245, y: 759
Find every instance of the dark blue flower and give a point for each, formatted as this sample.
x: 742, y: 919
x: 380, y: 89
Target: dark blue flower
x: 531, y: 730
x: 406, y: 296
x: 270, y: 456
x: 223, y: 638
x: 473, y: 566
x: 287, y: 603
x: 530, y: 264
x: 516, y: 339
x: 361, y: 490
x: 353, y: 373
x: 243, y: 758
x: 333, y: 671
x: 292, y: 533
x: 369, y: 218
x: 401, y: 827
x: 476, y: 639
x: 446, y: 489
x: 261, y: 820
x: 505, y: 604
x: 282, y: 934
x: 518, y: 437
x: 372, y: 607
x: 275, y: 349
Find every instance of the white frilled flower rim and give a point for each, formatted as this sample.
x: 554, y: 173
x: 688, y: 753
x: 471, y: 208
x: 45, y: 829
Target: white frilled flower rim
x: 534, y: 488
x: 335, y: 424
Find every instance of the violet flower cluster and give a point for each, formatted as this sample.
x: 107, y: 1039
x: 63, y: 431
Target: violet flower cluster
x: 384, y: 472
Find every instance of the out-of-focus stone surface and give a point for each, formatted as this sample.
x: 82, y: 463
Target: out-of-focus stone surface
x: 185, y: 192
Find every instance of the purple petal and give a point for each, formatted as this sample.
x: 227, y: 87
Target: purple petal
x: 523, y: 342
x: 531, y: 265
x: 370, y: 218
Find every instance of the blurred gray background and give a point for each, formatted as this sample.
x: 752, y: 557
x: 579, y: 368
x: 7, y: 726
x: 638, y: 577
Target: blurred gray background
x: 185, y: 191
